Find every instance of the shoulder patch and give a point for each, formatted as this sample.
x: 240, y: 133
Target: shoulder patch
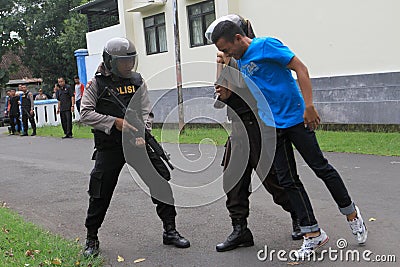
x: 136, y: 79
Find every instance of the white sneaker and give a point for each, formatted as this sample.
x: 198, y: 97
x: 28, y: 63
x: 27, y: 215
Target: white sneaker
x: 311, y: 245
x: 358, y: 228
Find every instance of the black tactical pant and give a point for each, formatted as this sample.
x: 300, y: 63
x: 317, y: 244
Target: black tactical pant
x: 237, y: 188
x: 25, y: 118
x: 104, y: 178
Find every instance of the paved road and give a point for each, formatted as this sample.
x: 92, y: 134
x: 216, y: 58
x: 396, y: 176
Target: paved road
x: 45, y: 180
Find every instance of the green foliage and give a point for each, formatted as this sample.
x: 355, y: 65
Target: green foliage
x: 4, y: 77
x: 6, y: 42
x: 49, y: 34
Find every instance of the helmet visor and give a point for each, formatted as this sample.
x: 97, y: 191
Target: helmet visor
x: 123, y: 66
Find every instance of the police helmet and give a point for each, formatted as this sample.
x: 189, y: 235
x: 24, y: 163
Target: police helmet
x: 238, y: 20
x: 120, y: 57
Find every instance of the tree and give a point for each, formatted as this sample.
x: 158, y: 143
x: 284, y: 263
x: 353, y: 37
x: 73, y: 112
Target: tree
x: 72, y: 38
x: 6, y: 42
x: 49, y: 33
x: 4, y: 77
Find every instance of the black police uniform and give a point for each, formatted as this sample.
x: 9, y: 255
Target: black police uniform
x: 26, y: 108
x: 14, y: 114
x: 237, y: 197
x: 64, y: 95
x: 110, y: 158
x: 246, y: 130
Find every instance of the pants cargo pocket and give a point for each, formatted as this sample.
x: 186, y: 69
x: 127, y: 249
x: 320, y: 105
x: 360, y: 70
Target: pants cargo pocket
x: 159, y: 165
x: 95, y: 183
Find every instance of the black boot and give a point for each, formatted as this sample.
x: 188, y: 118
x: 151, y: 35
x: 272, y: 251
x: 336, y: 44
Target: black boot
x: 240, y: 237
x: 172, y: 237
x: 296, y: 234
x: 91, y: 248
x: 34, y: 132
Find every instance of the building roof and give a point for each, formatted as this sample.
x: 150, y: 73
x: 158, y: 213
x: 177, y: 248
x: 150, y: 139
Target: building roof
x: 25, y: 81
x: 96, y: 6
x: 10, y: 58
x: 22, y: 75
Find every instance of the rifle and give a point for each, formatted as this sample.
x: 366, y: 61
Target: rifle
x: 27, y: 112
x: 149, y: 138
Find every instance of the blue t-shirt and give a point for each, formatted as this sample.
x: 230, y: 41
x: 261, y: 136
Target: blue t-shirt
x: 264, y: 68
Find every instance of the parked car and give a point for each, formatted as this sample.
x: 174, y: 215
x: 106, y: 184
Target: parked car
x: 4, y: 120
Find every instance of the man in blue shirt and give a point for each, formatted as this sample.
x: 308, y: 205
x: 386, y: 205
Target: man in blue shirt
x: 266, y: 65
x: 248, y: 140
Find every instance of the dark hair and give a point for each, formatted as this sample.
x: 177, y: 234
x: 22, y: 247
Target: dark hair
x: 76, y: 77
x: 245, y: 25
x: 226, y: 29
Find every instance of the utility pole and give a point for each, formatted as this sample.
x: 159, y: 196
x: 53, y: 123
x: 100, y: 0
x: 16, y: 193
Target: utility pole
x: 178, y: 67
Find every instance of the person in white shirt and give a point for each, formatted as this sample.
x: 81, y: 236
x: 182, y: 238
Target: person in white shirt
x: 79, y: 87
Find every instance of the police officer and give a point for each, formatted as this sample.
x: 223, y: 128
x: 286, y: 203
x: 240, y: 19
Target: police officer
x: 14, y: 114
x: 245, y: 125
x: 27, y: 109
x: 66, y: 102
x: 101, y: 110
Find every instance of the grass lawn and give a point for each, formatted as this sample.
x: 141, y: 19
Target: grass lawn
x: 385, y: 144
x: 377, y: 143
x: 23, y: 244
x: 78, y: 131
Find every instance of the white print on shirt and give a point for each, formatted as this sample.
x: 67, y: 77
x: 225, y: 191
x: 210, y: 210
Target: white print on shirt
x: 250, y: 68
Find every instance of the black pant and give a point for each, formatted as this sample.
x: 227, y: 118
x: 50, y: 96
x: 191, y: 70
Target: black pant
x: 237, y: 181
x: 66, y: 122
x: 14, y: 121
x: 25, y: 118
x: 307, y: 145
x: 78, y: 105
x: 104, y: 178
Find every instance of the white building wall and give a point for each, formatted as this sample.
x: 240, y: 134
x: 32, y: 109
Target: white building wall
x: 151, y: 65
x: 159, y: 69
x: 95, y: 44
x: 332, y: 37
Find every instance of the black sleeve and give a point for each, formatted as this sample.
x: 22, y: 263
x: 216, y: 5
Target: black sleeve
x: 71, y: 92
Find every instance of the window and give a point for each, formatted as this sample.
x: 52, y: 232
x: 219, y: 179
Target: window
x: 155, y: 34
x: 100, y: 13
x: 99, y: 21
x: 200, y: 16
